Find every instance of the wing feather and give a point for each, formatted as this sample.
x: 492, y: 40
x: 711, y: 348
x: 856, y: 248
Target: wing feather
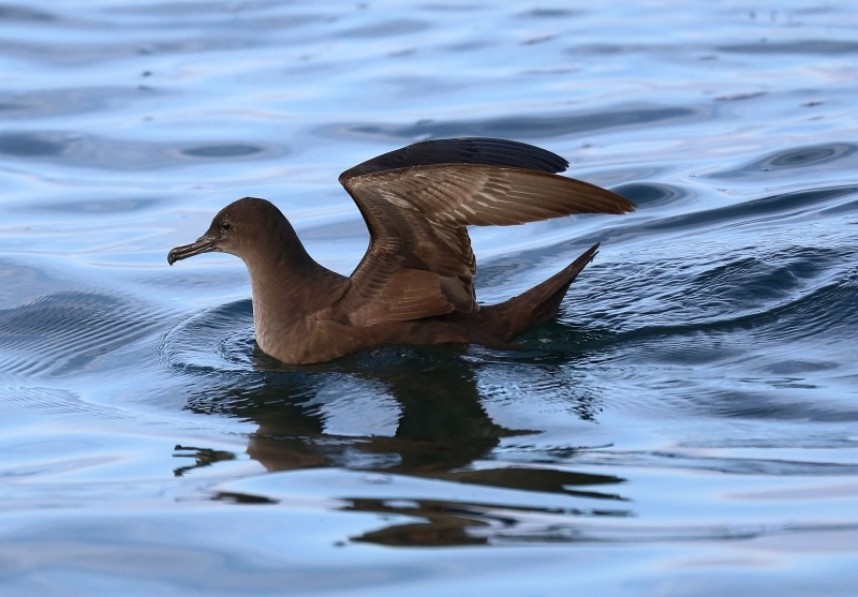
x: 420, y: 262
x: 463, y: 150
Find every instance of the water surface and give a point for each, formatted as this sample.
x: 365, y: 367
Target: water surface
x: 688, y: 425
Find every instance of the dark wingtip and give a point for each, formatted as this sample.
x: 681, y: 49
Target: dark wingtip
x: 488, y: 151
x: 626, y: 205
x: 618, y: 203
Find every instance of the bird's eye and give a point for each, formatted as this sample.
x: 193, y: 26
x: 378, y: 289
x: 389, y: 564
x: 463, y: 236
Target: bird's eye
x: 225, y: 225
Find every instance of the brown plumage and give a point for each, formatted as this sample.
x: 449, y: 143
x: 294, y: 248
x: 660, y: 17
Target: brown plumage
x: 414, y: 285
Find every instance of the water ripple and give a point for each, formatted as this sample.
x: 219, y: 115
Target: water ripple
x: 68, y: 332
x: 530, y: 126
x: 219, y: 339
x: 824, y: 47
x: 832, y: 154
x: 49, y: 103
x: 91, y: 151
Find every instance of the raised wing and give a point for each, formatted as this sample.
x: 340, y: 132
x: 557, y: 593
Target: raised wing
x: 419, y: 262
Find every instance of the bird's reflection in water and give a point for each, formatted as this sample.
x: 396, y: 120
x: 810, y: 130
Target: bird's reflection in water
x: 440, y: 430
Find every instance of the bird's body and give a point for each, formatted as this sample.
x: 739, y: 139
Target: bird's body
x: 415, y: 283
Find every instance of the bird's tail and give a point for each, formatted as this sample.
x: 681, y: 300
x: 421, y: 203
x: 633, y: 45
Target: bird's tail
x: 539, y: 304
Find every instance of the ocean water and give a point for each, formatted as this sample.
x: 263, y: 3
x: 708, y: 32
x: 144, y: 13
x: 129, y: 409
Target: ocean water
x: 687, y: 426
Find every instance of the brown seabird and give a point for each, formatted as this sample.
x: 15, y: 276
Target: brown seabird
x: 414, y: 285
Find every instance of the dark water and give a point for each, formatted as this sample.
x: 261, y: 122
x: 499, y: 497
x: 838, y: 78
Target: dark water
x: 688, y: 426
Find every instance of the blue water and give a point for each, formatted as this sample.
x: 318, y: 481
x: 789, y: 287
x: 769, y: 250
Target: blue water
x: 687, y: 427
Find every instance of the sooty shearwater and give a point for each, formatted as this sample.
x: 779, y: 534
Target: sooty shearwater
x: 414, y: 285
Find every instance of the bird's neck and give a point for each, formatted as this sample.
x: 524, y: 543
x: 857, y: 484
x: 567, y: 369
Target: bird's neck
x: 288, y: 286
